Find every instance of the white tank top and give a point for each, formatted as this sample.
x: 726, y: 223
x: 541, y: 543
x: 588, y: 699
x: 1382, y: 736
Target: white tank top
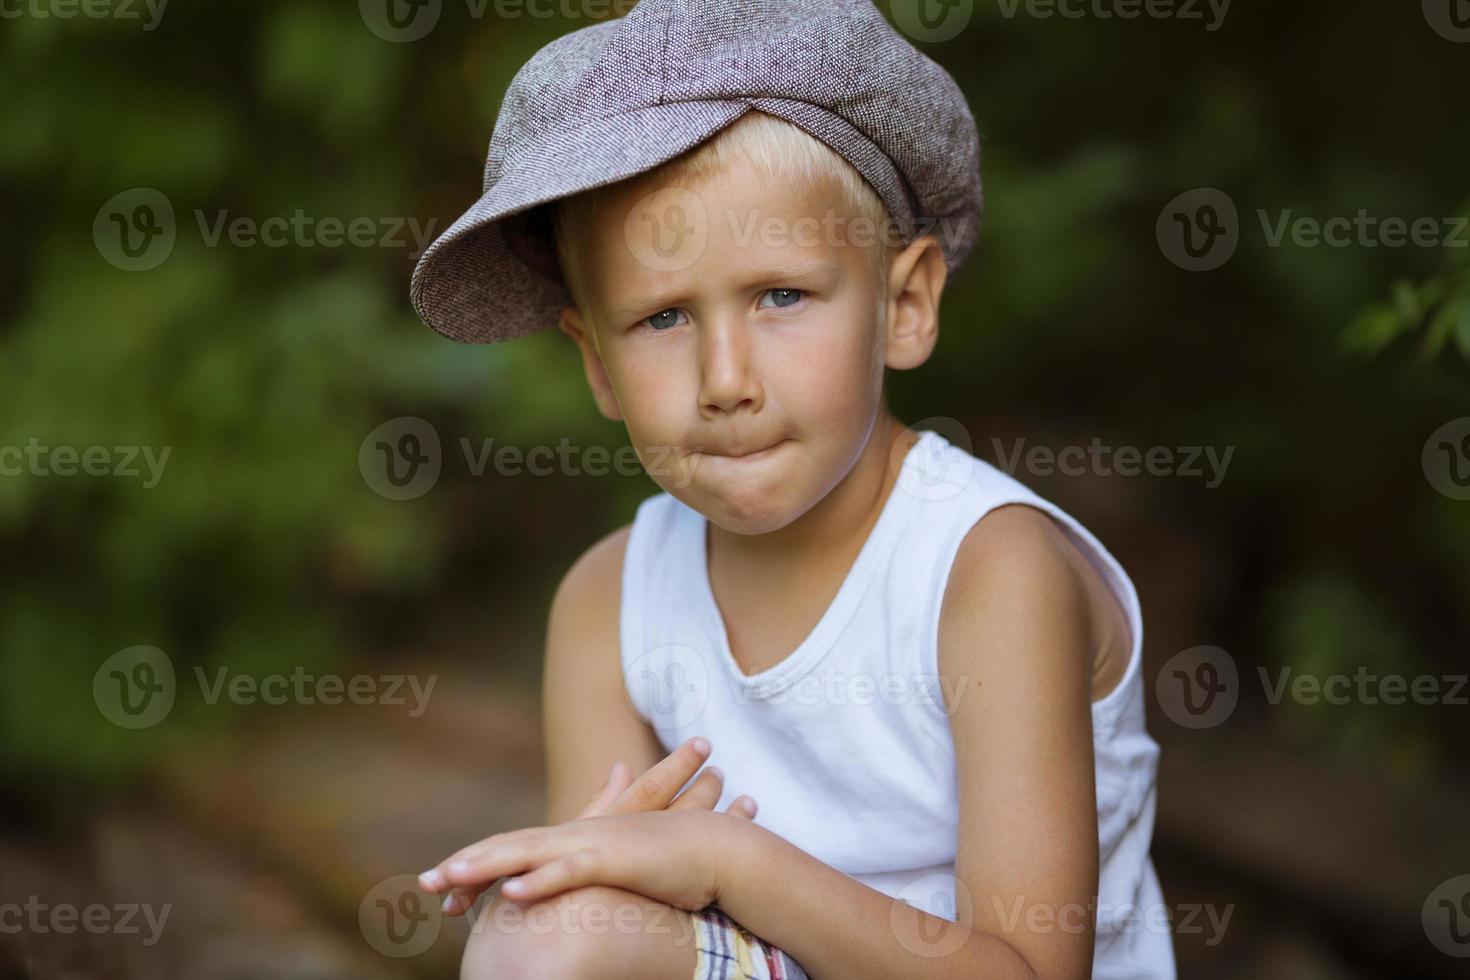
x: 845, y: 743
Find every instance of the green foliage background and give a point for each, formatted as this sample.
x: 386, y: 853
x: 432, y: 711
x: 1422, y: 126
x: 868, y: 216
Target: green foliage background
x: 264, y: 368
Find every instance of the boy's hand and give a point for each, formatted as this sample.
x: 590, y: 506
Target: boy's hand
x: 671, y: 856
x: 657, y: 789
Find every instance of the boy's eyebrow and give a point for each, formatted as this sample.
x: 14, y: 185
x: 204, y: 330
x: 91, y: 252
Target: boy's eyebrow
x: 795, y: 271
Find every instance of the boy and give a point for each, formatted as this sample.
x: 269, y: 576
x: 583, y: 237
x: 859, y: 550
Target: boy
x: 744, y: 214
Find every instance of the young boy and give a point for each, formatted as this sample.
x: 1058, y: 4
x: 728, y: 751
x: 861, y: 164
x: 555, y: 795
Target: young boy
x: 744, y: 213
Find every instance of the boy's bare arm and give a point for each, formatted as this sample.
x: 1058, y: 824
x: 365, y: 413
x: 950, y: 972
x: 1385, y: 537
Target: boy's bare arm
x: 588, y: 721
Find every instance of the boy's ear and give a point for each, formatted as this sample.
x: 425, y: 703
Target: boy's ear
x: 915, y: 283
x: 574, y: 326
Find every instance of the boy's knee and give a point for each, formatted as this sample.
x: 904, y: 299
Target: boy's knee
x: 586, y: 934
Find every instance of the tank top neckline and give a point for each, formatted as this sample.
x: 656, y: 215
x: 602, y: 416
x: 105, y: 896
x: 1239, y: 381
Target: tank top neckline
x: 839, y: 611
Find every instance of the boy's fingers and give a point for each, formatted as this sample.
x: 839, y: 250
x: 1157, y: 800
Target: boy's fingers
x: 460, y: 900
x: 704, y: 793
x: 743, y: 806
x: 655, y: 788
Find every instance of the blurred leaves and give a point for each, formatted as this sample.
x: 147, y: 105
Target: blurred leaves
x: 262, y: 369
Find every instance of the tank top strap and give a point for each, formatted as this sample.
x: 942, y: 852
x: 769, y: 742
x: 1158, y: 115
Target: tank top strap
x: 656, y: 635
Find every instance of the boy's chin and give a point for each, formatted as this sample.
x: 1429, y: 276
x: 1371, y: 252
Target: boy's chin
x: 743, y: 510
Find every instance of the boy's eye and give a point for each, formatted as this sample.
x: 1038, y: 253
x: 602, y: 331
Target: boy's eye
x: 662, y: 320
x: 782, y: 297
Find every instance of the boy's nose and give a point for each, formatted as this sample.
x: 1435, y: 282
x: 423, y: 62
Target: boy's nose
x: 727, y: 375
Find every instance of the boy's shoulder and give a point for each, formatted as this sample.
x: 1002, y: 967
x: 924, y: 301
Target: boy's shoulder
x: 596, y: 575
x: 1020, y: 570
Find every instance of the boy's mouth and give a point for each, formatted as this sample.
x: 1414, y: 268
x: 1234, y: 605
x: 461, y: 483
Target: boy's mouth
x: 748, y: 454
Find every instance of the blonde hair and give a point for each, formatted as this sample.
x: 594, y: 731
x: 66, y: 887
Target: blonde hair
x: 781, y: 152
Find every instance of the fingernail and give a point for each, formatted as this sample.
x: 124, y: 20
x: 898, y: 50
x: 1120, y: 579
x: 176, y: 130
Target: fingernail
x: 716, y: 770
x: 449, y: 901
x: 701, y: 744
x: 431, y: 879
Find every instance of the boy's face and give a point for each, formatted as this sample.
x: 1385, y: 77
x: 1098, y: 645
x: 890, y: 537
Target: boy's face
x: 740, y: 333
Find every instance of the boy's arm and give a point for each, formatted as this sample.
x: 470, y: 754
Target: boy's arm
x: 1016, y: 643
x: 587, y: 719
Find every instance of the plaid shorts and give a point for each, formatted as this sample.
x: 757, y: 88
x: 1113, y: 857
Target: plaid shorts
x: 726, y: 951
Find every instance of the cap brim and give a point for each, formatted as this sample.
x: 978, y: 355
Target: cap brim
x: 479, y: 282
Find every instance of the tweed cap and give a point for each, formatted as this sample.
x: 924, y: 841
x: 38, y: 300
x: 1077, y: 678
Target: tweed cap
x: 620, y: 97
